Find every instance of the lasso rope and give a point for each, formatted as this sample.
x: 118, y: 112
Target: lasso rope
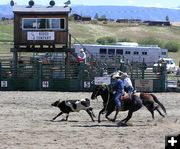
x: 108, y: 97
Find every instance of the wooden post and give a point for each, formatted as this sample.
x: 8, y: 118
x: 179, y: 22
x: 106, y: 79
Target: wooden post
x: 39, y: 67
x: 14, y: 62
x: 81, y: 76
x: 0, y: 72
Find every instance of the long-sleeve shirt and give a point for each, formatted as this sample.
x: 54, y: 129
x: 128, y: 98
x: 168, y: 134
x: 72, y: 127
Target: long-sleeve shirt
x: 127, y: 82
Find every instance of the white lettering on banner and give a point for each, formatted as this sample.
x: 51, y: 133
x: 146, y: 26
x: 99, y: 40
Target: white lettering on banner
x: 40, y: 36
x: 102, y: 80
x: 144, y: 85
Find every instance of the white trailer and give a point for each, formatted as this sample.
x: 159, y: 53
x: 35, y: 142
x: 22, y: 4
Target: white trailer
x: 129, y: 52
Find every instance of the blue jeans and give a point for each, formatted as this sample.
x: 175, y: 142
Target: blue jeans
x: 117, y: 99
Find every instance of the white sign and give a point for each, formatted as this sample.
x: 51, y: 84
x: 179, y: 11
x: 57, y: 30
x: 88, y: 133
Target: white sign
x: 102, y: 80
x: 45, y: 84
x: 40, y: 35
x: 144, y: 85
x: 3, y: 83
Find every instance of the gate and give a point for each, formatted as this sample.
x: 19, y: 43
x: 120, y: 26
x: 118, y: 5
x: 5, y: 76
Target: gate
x: 147, y: 79
x: 36, y: 75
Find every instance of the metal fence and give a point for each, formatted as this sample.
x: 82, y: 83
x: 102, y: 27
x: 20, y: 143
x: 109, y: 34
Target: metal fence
x: 48, y: 75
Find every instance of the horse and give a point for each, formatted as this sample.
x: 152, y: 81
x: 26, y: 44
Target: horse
x: 131, y: 104
x: 151, y: 102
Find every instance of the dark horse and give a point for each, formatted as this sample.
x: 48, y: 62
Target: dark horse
x: 132, y: 104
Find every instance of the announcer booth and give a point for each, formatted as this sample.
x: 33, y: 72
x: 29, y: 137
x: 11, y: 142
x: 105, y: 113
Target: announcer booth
x: 43, y: 58
x: 40, y: 29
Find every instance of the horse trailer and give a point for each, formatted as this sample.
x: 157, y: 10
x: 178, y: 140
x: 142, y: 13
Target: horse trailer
x: 148, y: 54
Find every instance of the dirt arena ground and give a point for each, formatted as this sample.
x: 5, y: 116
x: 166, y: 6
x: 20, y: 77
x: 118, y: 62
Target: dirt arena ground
x: 25, y: 124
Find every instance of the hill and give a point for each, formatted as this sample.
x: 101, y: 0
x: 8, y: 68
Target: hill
x: 129, y: 12
x: 115, y: 12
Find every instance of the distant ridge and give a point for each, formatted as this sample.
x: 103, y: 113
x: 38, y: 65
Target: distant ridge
x: 115, y: 12
x: 129, y: 12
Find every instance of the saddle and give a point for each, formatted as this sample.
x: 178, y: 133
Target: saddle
x: 125, y: 97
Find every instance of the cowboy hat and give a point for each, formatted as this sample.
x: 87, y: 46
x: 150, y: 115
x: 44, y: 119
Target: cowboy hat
x: 81, y: 50
x: 120, y: 72
x: 124, y: 75
x: 116, y: 76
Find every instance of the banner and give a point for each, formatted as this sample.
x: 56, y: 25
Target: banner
x: 102, y: 80
x: 144, y: 85
x: 40, y: 35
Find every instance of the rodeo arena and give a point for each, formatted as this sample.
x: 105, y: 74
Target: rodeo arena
x: 51, y: 98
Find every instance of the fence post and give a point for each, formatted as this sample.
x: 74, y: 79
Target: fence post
x: 81, y: 75
x: 39, y: 67
x: 163, y: 77
x: 0, y: 73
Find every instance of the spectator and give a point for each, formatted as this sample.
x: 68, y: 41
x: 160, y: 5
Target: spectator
x: 178, y: 72
x: 82, y: 56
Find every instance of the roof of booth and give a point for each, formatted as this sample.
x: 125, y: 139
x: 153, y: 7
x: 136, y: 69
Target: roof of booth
x: 40, y: 9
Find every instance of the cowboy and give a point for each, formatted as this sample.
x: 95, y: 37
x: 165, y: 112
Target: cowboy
x: 118, y: 87
x: 127, y: 83
x: 82, y: 55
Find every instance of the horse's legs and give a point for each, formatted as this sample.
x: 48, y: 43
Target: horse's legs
x: 128, y: 117
x: 150, y: 107
x: 152, y: 113
x: 156, y: 108
x: 115, y: 116
x: 108, y: 113
x: 99, y: 119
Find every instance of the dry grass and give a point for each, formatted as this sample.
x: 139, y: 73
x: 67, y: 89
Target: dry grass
x: 85, y: 31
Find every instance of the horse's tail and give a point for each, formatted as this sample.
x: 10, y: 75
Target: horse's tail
x: 159, y: 103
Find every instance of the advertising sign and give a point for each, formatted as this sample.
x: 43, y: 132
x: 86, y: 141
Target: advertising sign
x: 144, y: 85
x: 102, y: 80
x: 40, y: 35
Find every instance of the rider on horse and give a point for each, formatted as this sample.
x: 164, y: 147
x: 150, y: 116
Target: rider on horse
x: 118, y: 87
x: 127, y: 84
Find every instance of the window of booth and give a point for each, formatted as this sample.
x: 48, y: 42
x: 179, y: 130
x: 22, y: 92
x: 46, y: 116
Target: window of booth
x: 29, y: 24
x: 43, y: 24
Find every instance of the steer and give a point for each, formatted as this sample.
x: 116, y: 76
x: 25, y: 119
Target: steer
x: 73, y: 106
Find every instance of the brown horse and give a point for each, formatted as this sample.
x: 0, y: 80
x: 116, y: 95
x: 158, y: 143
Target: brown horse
x: 151, y: 102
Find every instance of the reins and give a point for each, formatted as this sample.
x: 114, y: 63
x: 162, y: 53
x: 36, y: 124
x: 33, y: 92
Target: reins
x: 108, y: 97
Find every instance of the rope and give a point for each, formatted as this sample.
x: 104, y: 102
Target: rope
x: 108, y: 97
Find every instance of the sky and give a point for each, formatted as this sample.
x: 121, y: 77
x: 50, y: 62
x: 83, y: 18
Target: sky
x: 145, y: 3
